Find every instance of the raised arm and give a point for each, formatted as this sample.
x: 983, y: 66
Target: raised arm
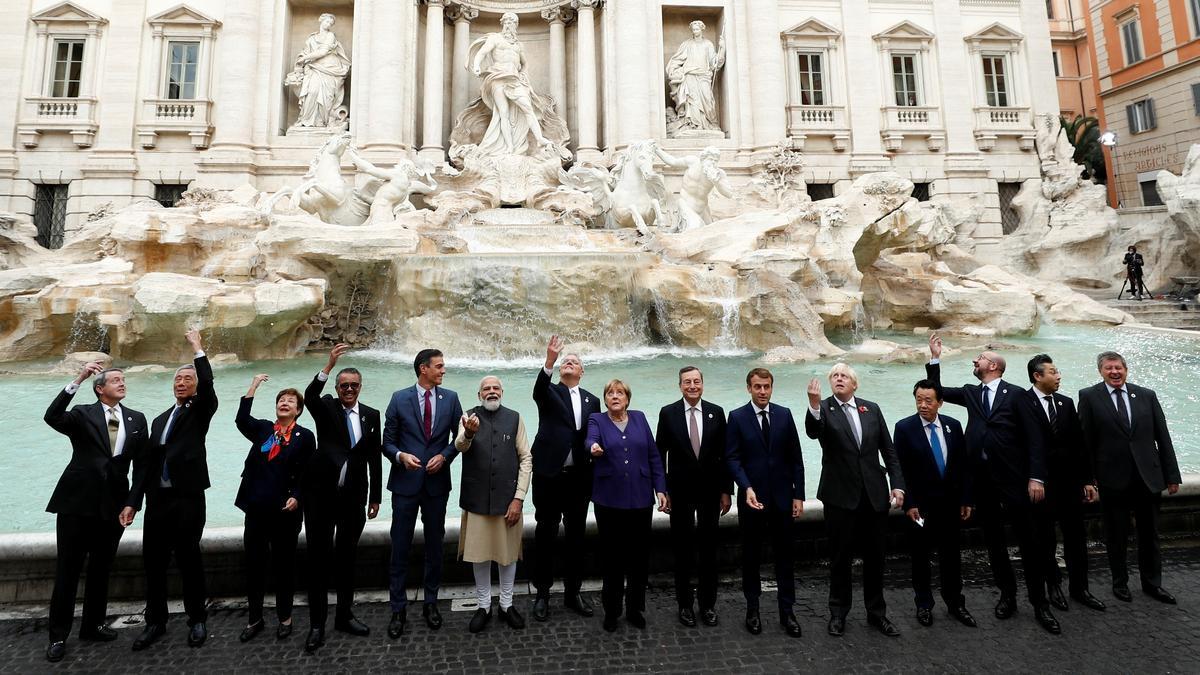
x: 244, y: 421
x: 206, y: 393
x: 57, y: 415
x: 670, y: 160
x: 814, y: 423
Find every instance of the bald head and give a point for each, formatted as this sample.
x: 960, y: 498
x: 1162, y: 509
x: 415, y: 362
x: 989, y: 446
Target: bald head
x: 988, y: 366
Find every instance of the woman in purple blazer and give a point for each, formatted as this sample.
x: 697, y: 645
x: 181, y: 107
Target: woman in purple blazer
x: 628, y: 478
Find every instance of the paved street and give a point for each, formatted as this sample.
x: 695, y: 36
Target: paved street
x: 1142, y: 637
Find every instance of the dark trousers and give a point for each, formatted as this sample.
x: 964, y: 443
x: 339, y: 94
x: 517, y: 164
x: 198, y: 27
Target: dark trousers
x: 625, y: 542
x: 994, y: 512
x: 1064, y: 505
x: 80, y: 538
x: 1118, y: 506
x: 561, y: 498
x: 855, y: 530
x: 174, y: 525
x: 332, y: 527
x: 269, y: 541
x: 940, y: 533
x: 756, y: 528
x: 694, y: 539
x: 404, y: 523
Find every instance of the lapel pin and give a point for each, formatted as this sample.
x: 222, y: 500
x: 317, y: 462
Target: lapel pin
x: 439, y: 397
x: 710, y: 416
x: 1059, y: 404
x: 129, y: 419
x: 586, y: 399
x: 188, y: 404
x: 1004, y: 392
x: 1133, y: 396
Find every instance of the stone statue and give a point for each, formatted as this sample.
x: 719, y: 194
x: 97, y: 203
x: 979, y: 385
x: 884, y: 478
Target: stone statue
x: 632, y: 195
x: 319, y: 78
x: 392, y: 197
x: 690, y: 74
x: 324, y: 192
x: 700, y: 176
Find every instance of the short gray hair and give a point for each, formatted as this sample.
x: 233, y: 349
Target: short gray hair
x: 1110, y: 356
x: 485, y: 378
x: 101, y: 379
x: 186, y: 366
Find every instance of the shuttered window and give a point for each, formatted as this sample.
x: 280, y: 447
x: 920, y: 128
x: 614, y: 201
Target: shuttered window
x: 1141, y: 116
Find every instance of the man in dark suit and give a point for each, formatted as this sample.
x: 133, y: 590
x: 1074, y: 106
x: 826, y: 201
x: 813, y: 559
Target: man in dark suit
x: 1133, y: 461
x: 419, y: 429
x: 691, y: 440
x: 174, y: 485
x: 562, y: 478
x: 1009, y: 477
x: 937, y: 478
x: 1067, y: 474
x: 345, y: 468
x: 762, y: 451
x: 854, y: 438
x: 92, y: 501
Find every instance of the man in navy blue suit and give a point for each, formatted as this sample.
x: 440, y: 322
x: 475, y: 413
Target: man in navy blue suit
x: 418, y: 437
x: 937, y: 477
x: 762, y: 450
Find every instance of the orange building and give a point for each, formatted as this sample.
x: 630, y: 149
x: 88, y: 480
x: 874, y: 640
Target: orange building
x: 1071, y: 53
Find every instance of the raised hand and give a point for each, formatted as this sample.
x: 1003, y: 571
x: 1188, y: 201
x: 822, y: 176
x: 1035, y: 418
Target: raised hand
x: 335, y: 354
x: 89, y: 370
x: 935, y: 345
x: 814, y: 393
x: 258, y: 379
x: 553, y: 350
x: 470, y: 423
x: 193, y: 338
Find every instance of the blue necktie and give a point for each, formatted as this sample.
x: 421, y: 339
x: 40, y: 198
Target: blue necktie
x: 987, y: 404
x: 937, y: 449
x: 350, y: 426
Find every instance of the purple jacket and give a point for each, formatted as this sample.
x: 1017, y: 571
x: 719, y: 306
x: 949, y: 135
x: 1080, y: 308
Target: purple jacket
x: 630, y: 471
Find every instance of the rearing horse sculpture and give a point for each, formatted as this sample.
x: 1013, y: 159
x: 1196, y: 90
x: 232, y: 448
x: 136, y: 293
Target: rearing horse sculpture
x: 324, y: 192
x: 631, y: 195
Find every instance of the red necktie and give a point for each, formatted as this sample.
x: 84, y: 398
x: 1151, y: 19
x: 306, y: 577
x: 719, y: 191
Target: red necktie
x: 428, y: 414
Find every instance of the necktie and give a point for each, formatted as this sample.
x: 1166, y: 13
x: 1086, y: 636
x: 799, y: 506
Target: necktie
x: 849, y: 411
x: 575, y: 408
x: 694, y: 432
x: 1122, y: 411
x: 766, y: 428
x: 428, y: 414
x: 936, y: 445
x: 166, y: 475
x: 987, y: 404
x: 1051, y: 412
x: 350, y: 425
x: 114, y: 426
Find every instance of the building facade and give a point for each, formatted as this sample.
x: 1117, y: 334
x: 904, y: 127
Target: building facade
x: 112, y: 100
x: 1070, y: 46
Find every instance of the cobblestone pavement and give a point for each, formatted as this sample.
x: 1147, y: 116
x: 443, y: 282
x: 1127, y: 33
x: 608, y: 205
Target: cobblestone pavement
x: 1140, y: 637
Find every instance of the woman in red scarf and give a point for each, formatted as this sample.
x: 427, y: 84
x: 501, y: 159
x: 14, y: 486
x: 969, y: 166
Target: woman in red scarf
x: 270, y: 497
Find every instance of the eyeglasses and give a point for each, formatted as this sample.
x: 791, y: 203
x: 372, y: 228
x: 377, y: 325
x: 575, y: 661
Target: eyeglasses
x: 350, y: 386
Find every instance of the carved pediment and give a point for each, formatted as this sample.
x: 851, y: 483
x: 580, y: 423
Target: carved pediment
x: 182, y: 15
x: 66, y: 12
x: 906, y: 31
x: 993, y: 34
x: 811, y: 27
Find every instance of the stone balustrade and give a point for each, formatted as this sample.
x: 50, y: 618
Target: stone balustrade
x: 76, y: 116
x: 160, y: 115
x: 919, y: 121
x: 806, y: 121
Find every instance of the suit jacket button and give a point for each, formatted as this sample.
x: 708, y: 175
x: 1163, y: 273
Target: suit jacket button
x: 626, y: 461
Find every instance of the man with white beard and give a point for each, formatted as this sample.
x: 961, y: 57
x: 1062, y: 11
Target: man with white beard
x: 496, y: 468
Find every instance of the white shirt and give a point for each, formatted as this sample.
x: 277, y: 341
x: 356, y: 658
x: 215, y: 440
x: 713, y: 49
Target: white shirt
x: 356, y: 425
x: 576, y: 408
x: 120, y: 446
x: 687, y: 417
x: 1112, y: 400
x: 941, y: 435
x: 758, y: 413
x: 991, y: 387
x: 854, y: 419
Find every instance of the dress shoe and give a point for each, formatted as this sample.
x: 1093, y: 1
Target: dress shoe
x: 150, y: 634
x: 316, y: 639
x: 610, y: 622
x: 837, y: 626
x: 100, y: 633
x: 479, y: 620
x: 964, y: 617
x: 352, y: 626
x: 55, y: 651
x: 687, y: 617
x: 884, y: 625
x: 1121, y: 592
x: 1055, y: 595
x: 512, y: 617
x: 541, y: 608
x: 1006, y: 607
x: 709, y: 616
x: 925, y: 616
x: 433, y: 618
x: 198, y: 634
x: 636, y: 619
x: 252, y: 630
x: 1046, y: 620
x: 753, y: 622
x: 789, y: 623
x: 581, y: 605
x: 283, y: 631
x: 1159, y: 594
x: 396, y: 625
x: 1088, y: 600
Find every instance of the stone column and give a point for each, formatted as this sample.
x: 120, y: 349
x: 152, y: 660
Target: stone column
x: 587, y: 149
x: 385, y: 75
x: 12, y: 99
x: 767, y: 77
x: 233, y: 103
x: 435, y: 71
x: 557, y: 18
x: 865, y: 86
x: 462, y: 16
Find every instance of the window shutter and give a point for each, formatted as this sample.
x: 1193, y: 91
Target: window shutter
x: 1151, y: 120
x: 1196, y: 93
x: 1131, y: 114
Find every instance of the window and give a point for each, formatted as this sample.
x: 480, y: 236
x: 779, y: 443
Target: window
x: 68, y: 68
x: 1194, y: 6
x: 1149, y: 189
x: 1049, y: 9
x: 995, y: 82
x: 819, y: 191
x: 1196, y: 97
x: 1132, y: 39
x: 812, y: 79
x: 904, y: 79
x: 1141, y: 116
x: 50, y: 214
x: 1009, y: 219
x: 921, y: 191
x: 168, y: 194
x: 1056, y: 59
x: 181, y: 69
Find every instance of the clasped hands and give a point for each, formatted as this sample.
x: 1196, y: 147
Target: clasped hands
x: 413, y: 463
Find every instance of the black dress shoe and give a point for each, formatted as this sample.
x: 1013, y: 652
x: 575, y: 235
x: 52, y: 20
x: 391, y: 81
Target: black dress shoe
x: 541, y: 608
x: 884, y: 625
x: 1046, y: 620
x: 198, y: 634
x: 150, y: 634
x: 581, y: 605
x: 352, y: 626
x: 687, y: 617
x: 55, y: 651
x: 636, y: 619
x: 964, y: 617
x: 1006, y: 607
x: 1088, y: 600
x: 610, y: 623
x: 283, y: 631
x: 396, y: 625
x: 316, y: 639
x: 479, y: 620
x: 433, y: 618
x: 252, y: 630
x: 1121, y: 592
x: 1055, y: 595
x: 709, y: 616
x: 1159, y: 594
x: 790, y: 625
x: 837, y: 626
x: 512, y: 617
x: 100, y: 633
x: 753, y: 622
x: 925, y: 616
